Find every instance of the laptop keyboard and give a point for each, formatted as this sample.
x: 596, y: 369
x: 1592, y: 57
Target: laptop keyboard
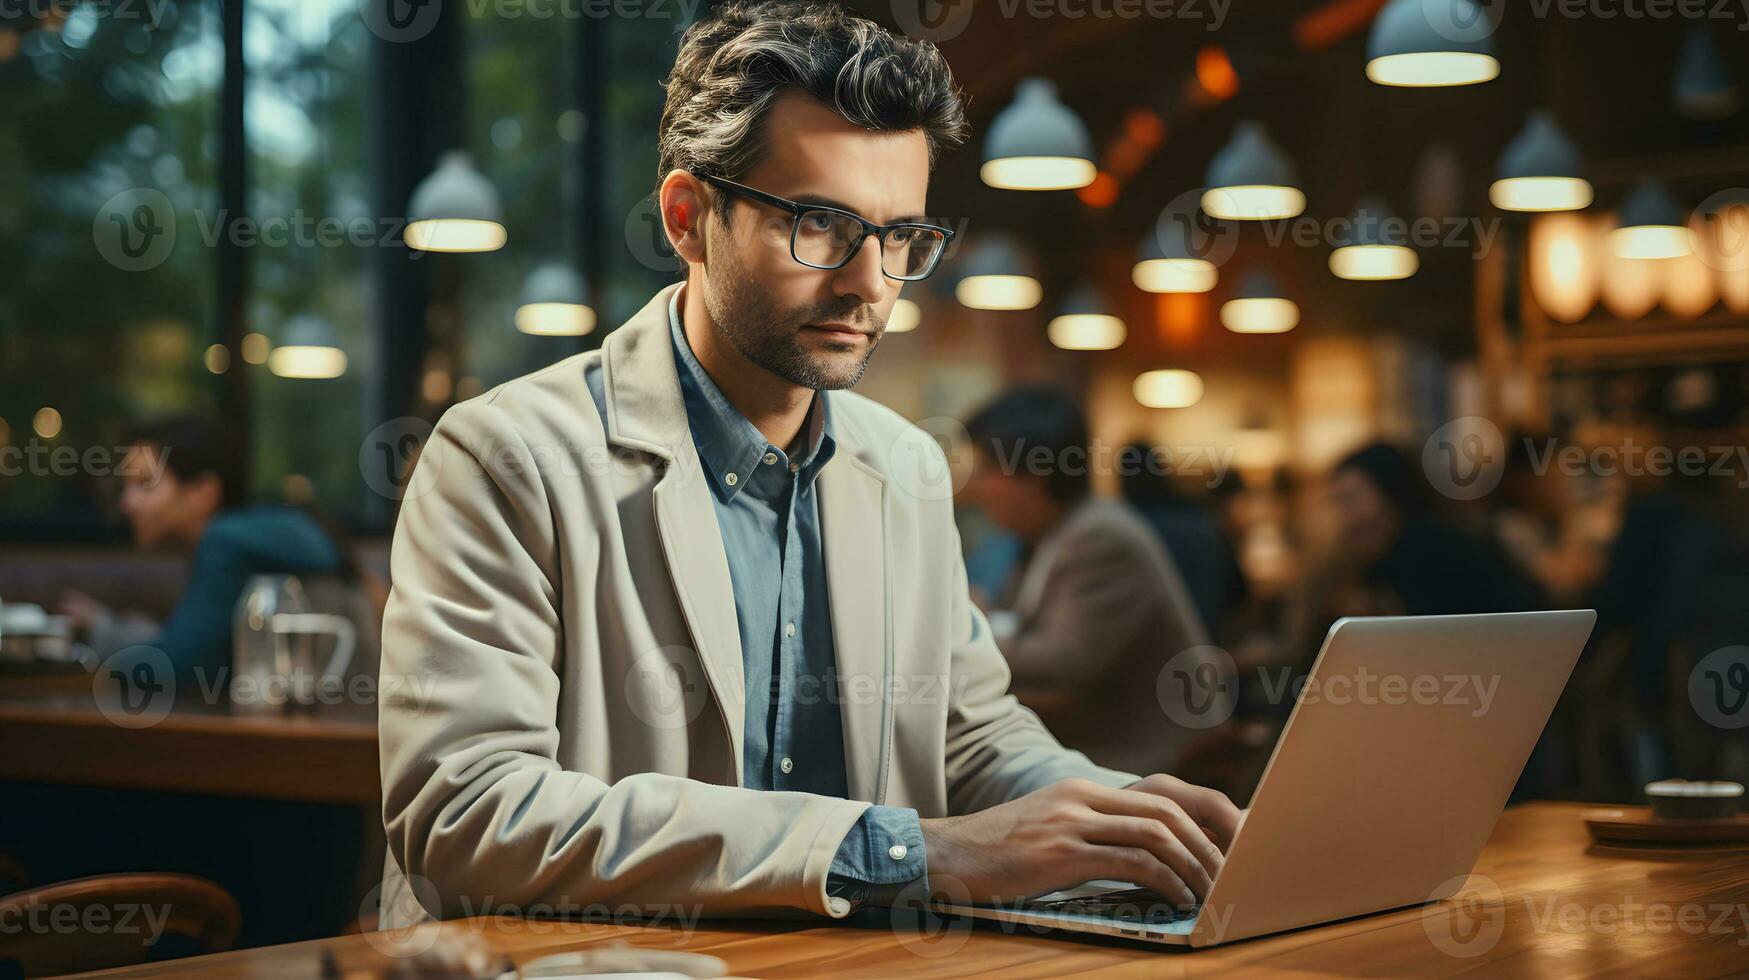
x: 1127, y: 905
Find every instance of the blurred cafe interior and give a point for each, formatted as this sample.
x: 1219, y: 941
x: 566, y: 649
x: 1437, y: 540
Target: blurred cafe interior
x: 1353, y: 323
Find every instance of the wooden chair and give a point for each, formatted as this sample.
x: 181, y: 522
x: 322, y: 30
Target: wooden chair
x: 113, y: 920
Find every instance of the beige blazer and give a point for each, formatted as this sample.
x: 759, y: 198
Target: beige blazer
x: 562, y: 636
x: 1099, y: 612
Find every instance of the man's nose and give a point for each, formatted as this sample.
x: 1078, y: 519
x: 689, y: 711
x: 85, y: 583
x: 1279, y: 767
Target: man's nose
x: 862, y: 276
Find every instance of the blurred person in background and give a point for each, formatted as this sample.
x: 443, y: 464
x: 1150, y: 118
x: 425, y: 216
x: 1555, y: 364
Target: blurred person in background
x: 1096, y: 606
x: 183, y: 493
x: 1191, y: 530
x: 1407, y: 559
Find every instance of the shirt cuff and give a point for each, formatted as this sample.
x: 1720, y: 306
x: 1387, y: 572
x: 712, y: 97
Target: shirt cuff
x: 882, y: 854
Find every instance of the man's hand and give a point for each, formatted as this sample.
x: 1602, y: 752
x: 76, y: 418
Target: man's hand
x: 1151, y: 833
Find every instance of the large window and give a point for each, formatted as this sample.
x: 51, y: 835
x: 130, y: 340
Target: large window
x: 108, y: 176
x: 179, y: 196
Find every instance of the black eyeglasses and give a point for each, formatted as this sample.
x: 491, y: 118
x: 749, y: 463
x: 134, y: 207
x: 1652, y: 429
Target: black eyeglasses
x: 822, y: 237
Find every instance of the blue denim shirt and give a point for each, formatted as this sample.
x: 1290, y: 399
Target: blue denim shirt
x: 768, y: 512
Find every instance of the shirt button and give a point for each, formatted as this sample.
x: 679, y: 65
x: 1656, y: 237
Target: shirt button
x: 770, y: 458
x: 897, y: 852
x: 839, y: 907
x: 789, y: 629
x: 787, y: 765
x: 731, y: 479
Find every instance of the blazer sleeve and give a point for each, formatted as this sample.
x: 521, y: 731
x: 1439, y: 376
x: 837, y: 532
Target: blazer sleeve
x: 476, y: 808
x: 997, y: 749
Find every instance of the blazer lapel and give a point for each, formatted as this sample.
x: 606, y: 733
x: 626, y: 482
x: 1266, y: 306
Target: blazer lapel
x: 853, y: 528
x: 645, y: 412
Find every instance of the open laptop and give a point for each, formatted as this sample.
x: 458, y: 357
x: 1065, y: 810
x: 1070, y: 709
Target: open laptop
x: 1380, y: 793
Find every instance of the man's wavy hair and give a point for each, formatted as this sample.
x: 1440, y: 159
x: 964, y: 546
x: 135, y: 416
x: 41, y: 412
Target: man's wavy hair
x: 733, y: 64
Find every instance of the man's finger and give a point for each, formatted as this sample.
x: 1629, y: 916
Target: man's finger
x: 1156, y: 806
x: 1157, y: 839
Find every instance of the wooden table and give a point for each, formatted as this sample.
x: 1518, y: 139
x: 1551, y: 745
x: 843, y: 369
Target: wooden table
x: 1553, y: 906
x: 51, y: 731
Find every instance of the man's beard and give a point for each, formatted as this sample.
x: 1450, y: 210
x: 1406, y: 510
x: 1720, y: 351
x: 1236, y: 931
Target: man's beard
x: 771, y: 337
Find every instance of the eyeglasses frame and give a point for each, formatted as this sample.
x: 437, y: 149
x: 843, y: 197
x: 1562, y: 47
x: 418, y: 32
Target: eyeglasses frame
x: 868, y: 227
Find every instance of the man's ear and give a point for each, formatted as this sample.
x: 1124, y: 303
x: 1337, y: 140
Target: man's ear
x: 683, y: 201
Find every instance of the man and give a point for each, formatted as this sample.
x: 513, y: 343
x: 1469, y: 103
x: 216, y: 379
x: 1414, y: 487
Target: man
x: 183, y: 491
x: 1097, y: 609
x: 691, y: 631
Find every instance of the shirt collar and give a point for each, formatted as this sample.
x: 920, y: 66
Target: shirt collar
x: 732, y: 449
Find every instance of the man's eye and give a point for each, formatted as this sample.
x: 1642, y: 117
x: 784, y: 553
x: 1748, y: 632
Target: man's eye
x: 817, y: 221
x: 903, y: 236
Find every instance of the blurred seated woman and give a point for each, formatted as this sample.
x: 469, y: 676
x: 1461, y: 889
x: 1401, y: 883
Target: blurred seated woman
x: 183, y: 492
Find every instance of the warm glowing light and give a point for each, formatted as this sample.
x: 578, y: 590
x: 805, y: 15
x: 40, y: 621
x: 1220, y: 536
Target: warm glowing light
x: 1085, y: 331
x: 1374, y: 262
x: 454, y: 235
x: 255, y: 348
x: 1565, y: 269
x: 1631, y: 287
x: 905, y: 317
x: 555, y: 319
x: 1038, y: 173
x: 1650, y: 241
x: 1214, y: 72
x: 435, y: 386
x: 1100, y: 193
x: 1541, y: 193
x: 46, y: 422
x: 1266, y: 314
x: 1174, y: 275
x: 999, y: 292
x: 218, y: 359
x: 1429, y: 69
x: 1170, y: 388
x: 1253, y: 202
x: 312, y: 363
x: 1690, y: 288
